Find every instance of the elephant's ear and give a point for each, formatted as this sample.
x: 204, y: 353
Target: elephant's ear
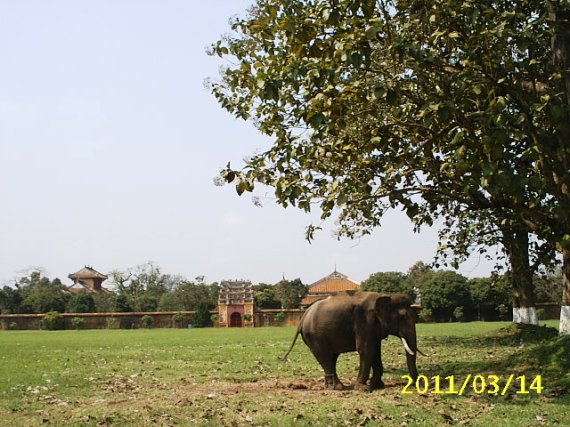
x: 383, y: 310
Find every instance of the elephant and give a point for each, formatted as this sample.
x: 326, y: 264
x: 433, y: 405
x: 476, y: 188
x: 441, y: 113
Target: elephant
x: 359, y: 322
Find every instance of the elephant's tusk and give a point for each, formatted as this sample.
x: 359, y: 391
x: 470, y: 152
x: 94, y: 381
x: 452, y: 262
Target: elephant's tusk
x: 407, y: 347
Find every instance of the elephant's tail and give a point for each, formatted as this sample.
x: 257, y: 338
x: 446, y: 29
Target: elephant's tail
x: 284, y: 358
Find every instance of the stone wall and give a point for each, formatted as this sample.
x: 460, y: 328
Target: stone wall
x: 162, y: 319
x: 97, y: 320
x: 267, y: 317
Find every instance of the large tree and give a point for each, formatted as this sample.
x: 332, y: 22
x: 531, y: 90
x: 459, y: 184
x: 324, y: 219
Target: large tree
x: 188, y: 296
x: 444, y: 292
x: 41, y: 295
x: 440, y: 108
x: 388, y: 282
x: 290, y: 292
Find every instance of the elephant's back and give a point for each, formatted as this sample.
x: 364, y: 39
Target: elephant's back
x: 330, y: 322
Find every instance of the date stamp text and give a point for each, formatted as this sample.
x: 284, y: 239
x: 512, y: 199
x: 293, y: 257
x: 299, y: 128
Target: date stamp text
x: 479, y: 384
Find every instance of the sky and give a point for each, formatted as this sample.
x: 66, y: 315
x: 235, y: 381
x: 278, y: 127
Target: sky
x: 109, y: 143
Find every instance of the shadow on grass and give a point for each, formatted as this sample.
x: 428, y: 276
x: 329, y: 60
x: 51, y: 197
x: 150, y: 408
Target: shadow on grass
x: 516, y: 350
x: 513, y: 335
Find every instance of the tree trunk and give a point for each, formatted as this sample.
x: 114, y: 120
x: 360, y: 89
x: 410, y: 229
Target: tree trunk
x: 565, y: 309
x: 515, y: 240
x: 559, y: 15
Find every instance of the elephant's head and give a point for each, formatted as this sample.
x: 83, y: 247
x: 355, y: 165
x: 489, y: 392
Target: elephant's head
x: 402, y: 324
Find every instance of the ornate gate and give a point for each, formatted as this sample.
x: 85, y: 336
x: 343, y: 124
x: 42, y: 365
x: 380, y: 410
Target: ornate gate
x: 235, y: 320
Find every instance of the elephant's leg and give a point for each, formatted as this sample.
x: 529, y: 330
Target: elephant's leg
x: 364, y: 369
x: 336, y: 385
x: 377, y: 371
x: 328, y: 362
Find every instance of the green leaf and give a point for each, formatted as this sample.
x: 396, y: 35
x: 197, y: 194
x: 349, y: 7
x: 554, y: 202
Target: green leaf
x: 240, y: 188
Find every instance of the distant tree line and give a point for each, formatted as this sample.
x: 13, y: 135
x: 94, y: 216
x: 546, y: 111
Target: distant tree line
x: 144, y: 288
x: 446, y: 295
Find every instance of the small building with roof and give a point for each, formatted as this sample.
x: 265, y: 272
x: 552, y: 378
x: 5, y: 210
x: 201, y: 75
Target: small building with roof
x: 88, y: 280
x: 235, y: 304
x: 332, y: 284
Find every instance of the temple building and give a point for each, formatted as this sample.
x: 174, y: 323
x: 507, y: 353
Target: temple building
x: 332, y: 284
x: 235, y: 304
x: 87, y: 279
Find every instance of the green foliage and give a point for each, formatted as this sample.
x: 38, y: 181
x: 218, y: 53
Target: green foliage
x: 265, y: 297
x: 503, y: 309
x: 453, y: 109
x: 247, y: 317
x: 13, y: 326
x: 104, y: 302
x: 147, y: 321
x: 426, y: 315
x: 443, y: 292
x: 389, y: 282
x: 10, y: 300
x: 52, y: 321
x: 81, y: 302
x: 458, y: 314
x: 178, y: 320
x: 122, y: 304
x: 290, y: 292
x: 40, y: 295
x: 383, y: 75
x: 145, y: 302
x: 418, y: 273
x: 202, y: 317
x: 548, y: 288
x: 488, y: 294
x: 187, y: 296
x: 142, y: 287
x: 279, y: 318
x: 77, y: 322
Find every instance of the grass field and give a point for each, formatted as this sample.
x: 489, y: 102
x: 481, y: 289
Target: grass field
x: 234, y: 377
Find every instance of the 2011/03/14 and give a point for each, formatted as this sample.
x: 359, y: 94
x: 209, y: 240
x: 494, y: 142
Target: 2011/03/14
x: 480, y: 384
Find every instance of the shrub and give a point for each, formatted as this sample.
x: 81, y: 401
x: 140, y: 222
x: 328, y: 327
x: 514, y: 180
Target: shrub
x: 458, y: 314
x: 279, y: 317
x: 540, y: 313
x: 503, y: 310
x: 247, y: 317
x: 13, y: 326
x: 147, y: 321
x: 202, y: 317
x: 77, y: 322
x: 52, y: 321
x: 177, y: 320
x: 81, y: 302
x: 425, y: 315
x: 110, y: 322
x: 127, y: 323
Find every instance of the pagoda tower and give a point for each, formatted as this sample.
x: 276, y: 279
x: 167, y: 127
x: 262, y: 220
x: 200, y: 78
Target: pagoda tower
x: 87, y: 279
x: 235, y: 304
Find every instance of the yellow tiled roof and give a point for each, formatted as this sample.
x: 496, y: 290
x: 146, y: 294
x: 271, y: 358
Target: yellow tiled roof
x: 331, y: 284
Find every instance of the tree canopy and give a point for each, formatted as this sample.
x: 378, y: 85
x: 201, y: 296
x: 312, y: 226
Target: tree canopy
x: 455, y: 109
x: 290, y: 292
x: 388, y: 282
